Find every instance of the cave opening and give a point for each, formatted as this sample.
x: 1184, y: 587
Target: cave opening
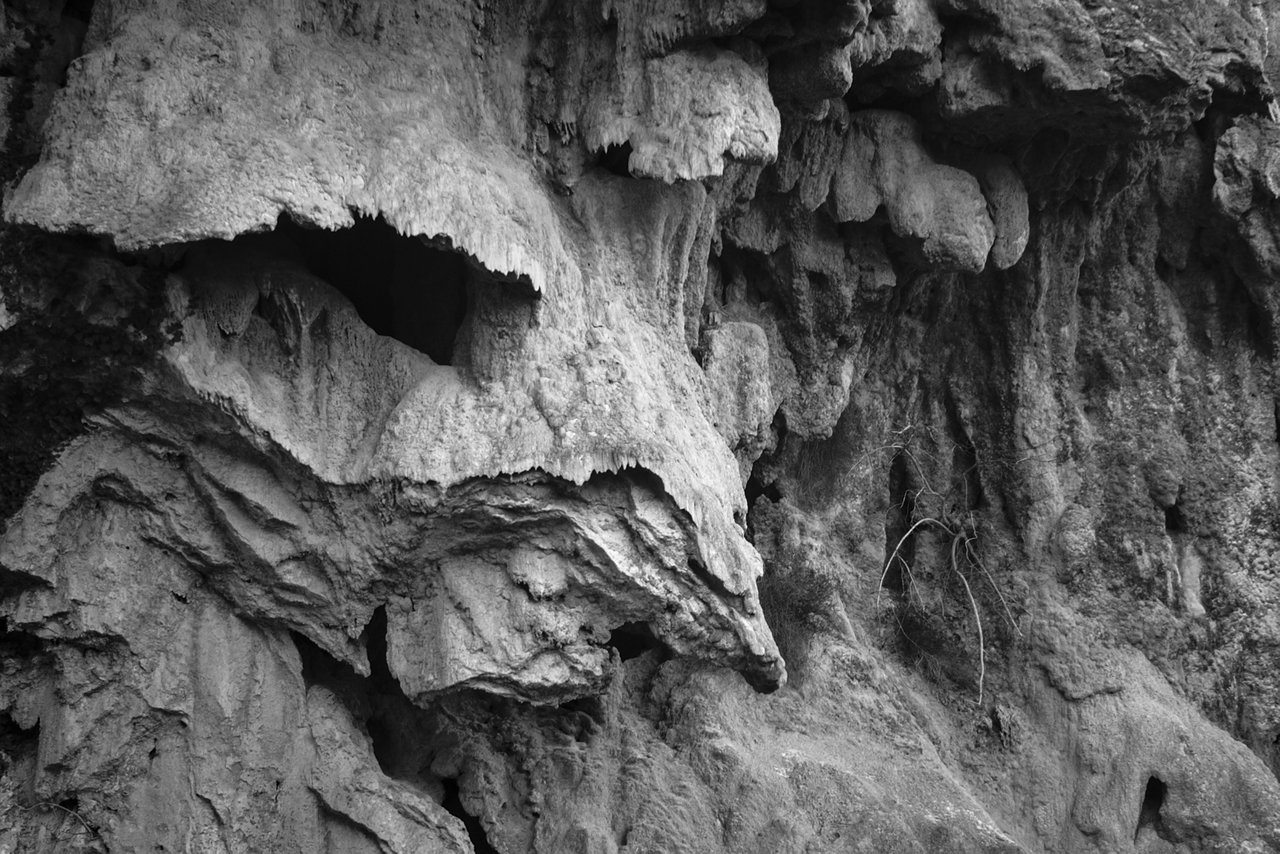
x: 382, y: 737
x: 391, y: 709
x: 356, y: 692
x: 19, y: 748
x: 321, y: 668
x: 402, y: 287
x: 15, y: 643
x: 14, y: 737
x: 763, y: 481
x: 67, y: 42
x: 1174, y: 520
x: 393, y: 723
x: 383, y: 684
x: 633, y: 640
x: 616, y: 159
x: 475, y: 830
x: 1149, y: 814
x: 757, y: 487
x: 375, y: 640
x: 881, y: 93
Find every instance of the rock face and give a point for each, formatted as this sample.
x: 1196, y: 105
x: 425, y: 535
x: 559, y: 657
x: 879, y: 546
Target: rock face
x: 676, y: 426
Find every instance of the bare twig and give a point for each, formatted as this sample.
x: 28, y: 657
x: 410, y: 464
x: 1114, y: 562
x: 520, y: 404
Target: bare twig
x: 977, y: 619
x: 930, y: 508
x: 48, y: 805
x: 928, y: 520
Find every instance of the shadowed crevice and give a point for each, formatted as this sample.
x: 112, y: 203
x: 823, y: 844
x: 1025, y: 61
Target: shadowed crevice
x: 475, y: 830
x: 402, y: 287
x: 19, y: 749
x: 633, y: 640
x: 616, y: 160
x: 1150, y: 817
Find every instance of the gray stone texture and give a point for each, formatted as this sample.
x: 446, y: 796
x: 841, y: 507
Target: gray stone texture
x: 583, y: 428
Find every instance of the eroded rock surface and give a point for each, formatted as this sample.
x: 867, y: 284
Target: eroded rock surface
x: 676, y: 426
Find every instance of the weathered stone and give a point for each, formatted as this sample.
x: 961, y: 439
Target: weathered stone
x: 650, y: 111
x: 1006, y: 203
x: 884, y: 165
x: 476, y: 502
x: 737, y: 366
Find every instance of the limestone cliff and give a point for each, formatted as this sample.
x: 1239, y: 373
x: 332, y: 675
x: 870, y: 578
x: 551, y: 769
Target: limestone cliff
x: 568, y: 426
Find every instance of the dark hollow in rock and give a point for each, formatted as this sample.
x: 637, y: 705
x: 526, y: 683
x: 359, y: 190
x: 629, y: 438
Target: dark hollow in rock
x: 19, y: 748
x: 1149, y: 814
x: 616, y: 159
x: 401, y: 286
x: 396, y: 727
x: 756, y: 487
x: 453, y: 803
x: 376, y: 645
x: 633, y: 640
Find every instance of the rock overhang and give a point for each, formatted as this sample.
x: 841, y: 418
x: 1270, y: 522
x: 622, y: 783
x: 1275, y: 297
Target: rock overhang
x: 390, y: 415
x: 229, y: 131
x: 173, y: 155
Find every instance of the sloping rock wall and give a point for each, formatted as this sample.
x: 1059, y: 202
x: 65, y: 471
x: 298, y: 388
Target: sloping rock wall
x: 573, y: 427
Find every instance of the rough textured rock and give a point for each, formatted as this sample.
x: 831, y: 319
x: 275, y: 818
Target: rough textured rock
x: 676, y: 426
x: 884, y: 167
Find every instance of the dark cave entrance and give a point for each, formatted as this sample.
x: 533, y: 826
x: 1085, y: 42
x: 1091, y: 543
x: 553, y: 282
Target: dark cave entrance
x: 633, y: 640
x: 475, y: 830
x: 382, y: 725
x: 375, y: 639
x: 1149, y: 815
x: 19, y: 749
x: 403, y: 287
x: 756, y: 487
x: 375, y: 701
x: 616, y: 159
x: 399, y: 730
